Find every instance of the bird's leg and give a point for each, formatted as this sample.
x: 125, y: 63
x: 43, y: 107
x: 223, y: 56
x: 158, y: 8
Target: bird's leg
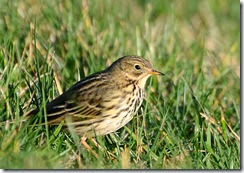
x: 83, y: 142
x: 99, y: 147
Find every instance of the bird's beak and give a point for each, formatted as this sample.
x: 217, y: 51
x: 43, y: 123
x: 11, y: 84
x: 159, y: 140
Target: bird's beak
x: 155, y: 72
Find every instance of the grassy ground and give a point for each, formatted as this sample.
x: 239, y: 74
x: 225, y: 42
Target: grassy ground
x: 190, y: 118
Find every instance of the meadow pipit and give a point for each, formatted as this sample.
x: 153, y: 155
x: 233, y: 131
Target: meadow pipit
x: 105, y: 101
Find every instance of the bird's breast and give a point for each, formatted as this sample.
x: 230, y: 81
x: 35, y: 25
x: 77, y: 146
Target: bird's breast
x: 119, y: 108
x: 131, y: 105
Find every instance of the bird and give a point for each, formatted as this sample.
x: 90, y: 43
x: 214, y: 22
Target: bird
x: 103, y: 102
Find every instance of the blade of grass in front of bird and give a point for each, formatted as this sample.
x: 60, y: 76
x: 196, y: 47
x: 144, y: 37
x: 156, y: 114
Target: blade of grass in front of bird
x: 153, y: 155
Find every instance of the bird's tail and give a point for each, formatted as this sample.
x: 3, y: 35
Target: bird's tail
x: 22, y: 119
x: 31, y: 113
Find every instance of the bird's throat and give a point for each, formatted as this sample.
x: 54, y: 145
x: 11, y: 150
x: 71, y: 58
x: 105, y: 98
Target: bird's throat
x: 143, y: 80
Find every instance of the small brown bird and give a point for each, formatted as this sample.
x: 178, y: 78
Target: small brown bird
x: 105, y: 101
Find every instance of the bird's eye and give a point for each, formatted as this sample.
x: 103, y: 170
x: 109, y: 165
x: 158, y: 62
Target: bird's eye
x: 137, y: 67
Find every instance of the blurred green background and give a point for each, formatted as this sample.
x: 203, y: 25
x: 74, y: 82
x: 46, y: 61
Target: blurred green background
x: 191, y: 117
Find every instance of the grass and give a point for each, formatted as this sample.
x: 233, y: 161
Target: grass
x: 190, y: 118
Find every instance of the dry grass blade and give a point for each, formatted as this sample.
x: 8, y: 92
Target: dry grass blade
x: 212, y: 121
x: 125, y: 158
x: 232, y: 131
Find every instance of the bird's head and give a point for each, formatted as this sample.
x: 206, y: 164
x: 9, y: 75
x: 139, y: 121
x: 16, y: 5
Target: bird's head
x: 134, y: 68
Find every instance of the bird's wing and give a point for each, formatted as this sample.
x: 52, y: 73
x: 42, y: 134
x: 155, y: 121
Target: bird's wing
x: 84, y: 101
x: 72, y: 110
